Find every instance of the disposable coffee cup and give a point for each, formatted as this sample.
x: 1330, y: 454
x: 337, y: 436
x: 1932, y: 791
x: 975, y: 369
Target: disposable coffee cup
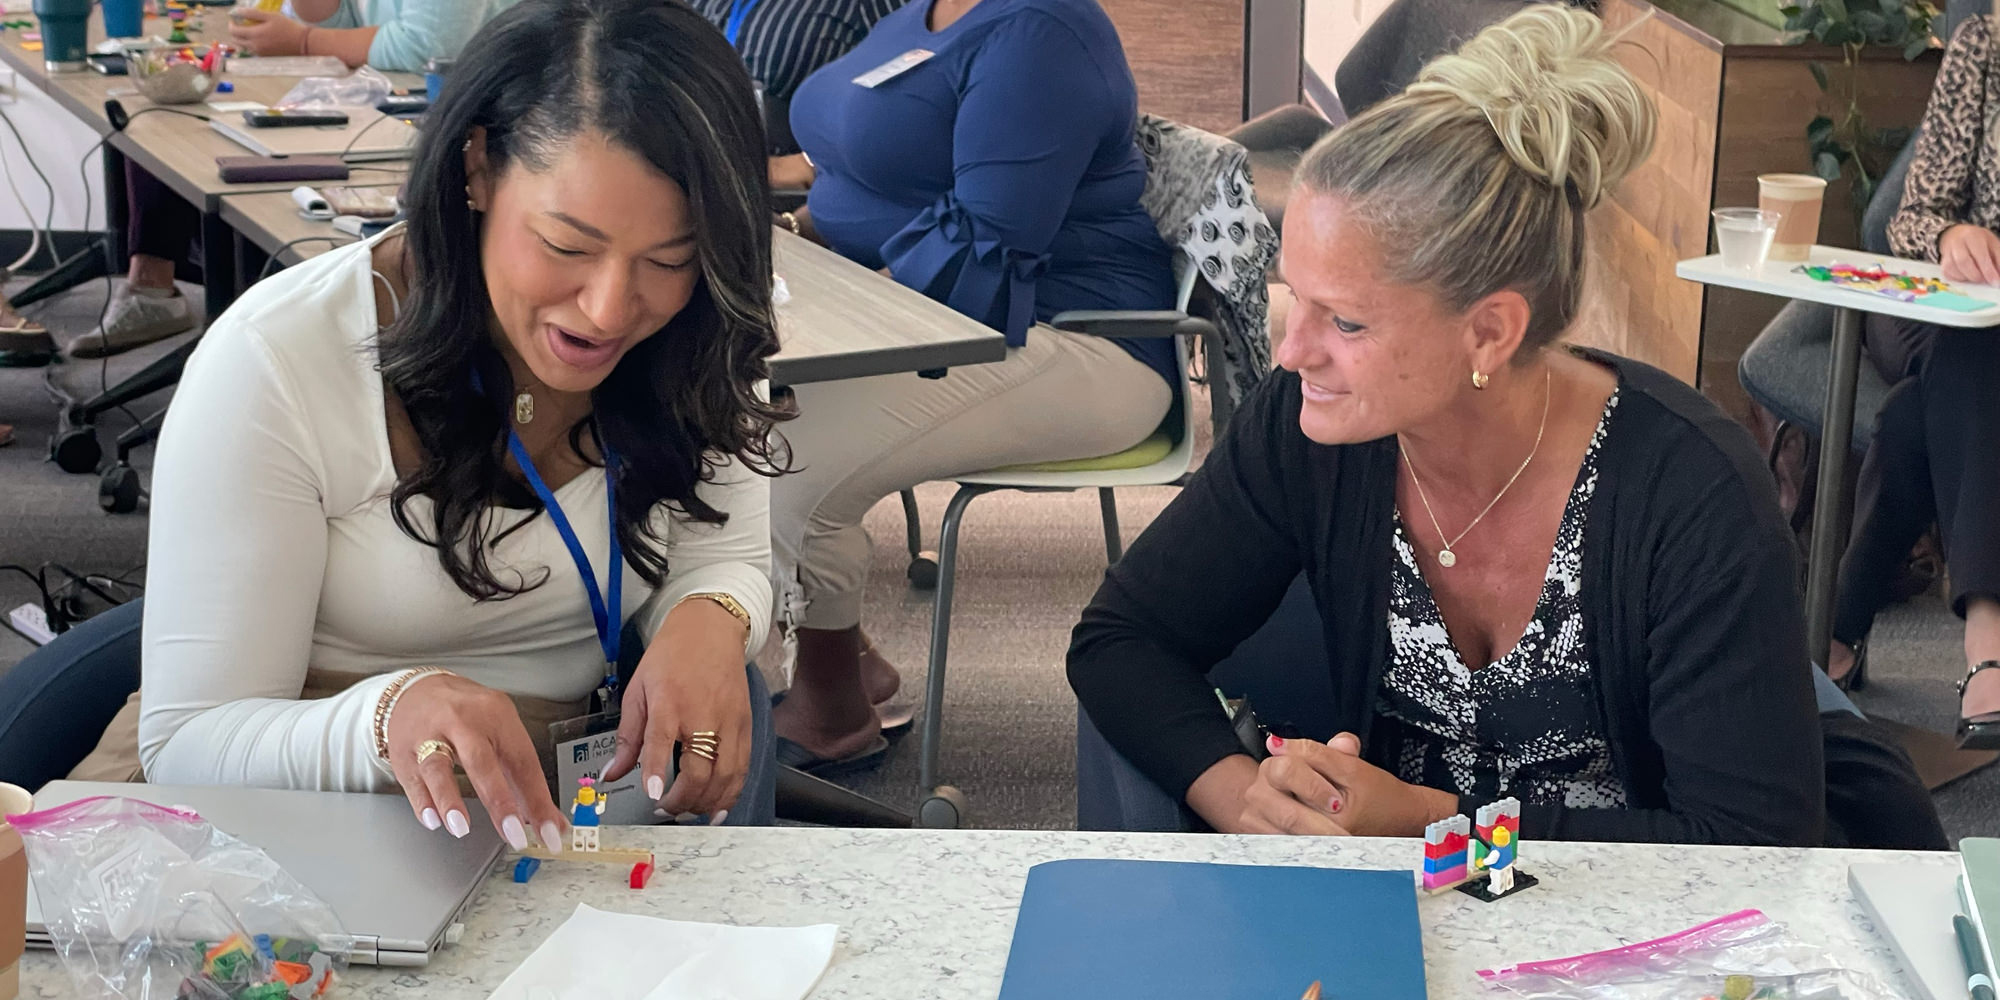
x: 1796, y: 198
x: 13, y: 890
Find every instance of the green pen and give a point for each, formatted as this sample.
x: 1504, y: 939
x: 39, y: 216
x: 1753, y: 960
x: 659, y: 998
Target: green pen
x: 1978, y: 979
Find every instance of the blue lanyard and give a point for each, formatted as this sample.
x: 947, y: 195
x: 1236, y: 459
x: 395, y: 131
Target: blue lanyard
x: 607, y: 618
x: 738, y: 10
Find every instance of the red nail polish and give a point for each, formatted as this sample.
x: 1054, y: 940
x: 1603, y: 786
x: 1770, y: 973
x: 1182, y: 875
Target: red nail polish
x: 1333, y: 805
x: 1275, y: 742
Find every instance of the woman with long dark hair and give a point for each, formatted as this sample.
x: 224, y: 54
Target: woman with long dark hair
x: 410, y: 491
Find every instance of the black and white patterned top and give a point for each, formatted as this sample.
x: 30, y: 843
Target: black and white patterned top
x: 1529, y: 725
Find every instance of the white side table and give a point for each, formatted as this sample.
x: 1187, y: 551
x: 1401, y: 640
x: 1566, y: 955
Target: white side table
x: 1836, y: 433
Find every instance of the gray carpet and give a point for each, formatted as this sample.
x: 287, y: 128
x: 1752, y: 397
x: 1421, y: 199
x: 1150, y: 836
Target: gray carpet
x: 1028, y: 563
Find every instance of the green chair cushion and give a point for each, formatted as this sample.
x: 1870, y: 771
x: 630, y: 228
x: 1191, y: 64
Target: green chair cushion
x: 1148, y: 452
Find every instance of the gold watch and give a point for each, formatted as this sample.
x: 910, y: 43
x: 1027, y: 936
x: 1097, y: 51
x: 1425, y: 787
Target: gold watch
x: 728, y: 603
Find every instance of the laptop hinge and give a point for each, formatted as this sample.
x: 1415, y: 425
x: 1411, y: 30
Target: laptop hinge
x: 364, y: 950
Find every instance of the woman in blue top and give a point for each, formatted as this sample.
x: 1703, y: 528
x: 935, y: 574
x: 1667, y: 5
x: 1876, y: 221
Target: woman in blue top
x: 998, y: 175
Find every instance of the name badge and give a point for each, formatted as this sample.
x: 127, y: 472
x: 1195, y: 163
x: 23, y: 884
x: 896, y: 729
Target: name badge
x: 894, y: 68
x: 584, y: 748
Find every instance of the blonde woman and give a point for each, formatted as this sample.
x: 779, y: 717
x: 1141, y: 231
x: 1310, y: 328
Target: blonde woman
x: 1547, y: 573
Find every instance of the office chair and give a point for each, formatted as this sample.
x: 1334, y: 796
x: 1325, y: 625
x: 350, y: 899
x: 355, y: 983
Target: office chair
x: 1192, y: 177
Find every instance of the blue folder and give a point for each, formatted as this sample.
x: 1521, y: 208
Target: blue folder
x: 1160, y: 930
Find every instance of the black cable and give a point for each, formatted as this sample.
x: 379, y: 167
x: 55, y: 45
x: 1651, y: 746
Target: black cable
x: 49, y: 220
x: 120, y: 121
x: 272, y: 260
x: 349, y: 148
x: 40, y: 580
x: 81, y: 580
x: 58, y: 621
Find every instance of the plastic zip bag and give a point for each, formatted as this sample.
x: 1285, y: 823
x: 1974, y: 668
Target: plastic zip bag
x: 144, y: 902
x: 1743, y: 956
x: 363, y: 88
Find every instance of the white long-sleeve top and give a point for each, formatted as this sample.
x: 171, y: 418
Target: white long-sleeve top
x: 273, y: 550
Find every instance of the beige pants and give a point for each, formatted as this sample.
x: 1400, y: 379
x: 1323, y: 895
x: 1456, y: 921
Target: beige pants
x: 1062, y: 396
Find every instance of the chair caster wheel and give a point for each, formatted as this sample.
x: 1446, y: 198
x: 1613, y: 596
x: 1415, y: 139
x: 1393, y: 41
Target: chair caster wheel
x: 118, y: 489
x: 943, y: 810
x: 923, y: 571
x: 76, y: 450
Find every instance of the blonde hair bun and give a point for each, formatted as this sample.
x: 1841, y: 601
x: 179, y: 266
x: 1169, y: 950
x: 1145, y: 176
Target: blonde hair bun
x: 1565, y: 111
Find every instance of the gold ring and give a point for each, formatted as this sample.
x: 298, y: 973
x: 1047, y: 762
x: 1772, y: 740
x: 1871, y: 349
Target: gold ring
x: 704, y: 752
x: 431, y: 748
x: 703, y: 745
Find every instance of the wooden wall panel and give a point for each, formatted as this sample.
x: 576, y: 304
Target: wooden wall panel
x: 1187, y: 58
x: 1659, y: 214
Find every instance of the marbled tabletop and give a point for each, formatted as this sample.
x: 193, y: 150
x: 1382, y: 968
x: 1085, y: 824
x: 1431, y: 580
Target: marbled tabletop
x: 931, y: 913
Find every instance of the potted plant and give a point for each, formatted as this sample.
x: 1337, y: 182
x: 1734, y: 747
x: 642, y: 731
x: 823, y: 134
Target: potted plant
x: 1844, y: 143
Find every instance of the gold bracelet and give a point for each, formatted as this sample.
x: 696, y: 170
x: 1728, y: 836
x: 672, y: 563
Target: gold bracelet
x: 728, y: 603
x: 791, y: 220
x: 387, y: 704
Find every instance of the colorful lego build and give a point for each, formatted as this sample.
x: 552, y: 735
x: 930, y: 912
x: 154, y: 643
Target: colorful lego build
x: 1478, y: 860
x: 586, y: 813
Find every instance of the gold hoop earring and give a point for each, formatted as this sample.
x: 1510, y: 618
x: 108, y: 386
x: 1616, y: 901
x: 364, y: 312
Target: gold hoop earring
x: 1479, y: 379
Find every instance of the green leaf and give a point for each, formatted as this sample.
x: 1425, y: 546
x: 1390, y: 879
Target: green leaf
x: 1819, y: 130
x: 1891, y: 8
x: 1827, y: 165
x: 1869, y: 23
x: 1791, y: 11
x: 1836, y: 10
x: 1819, y: 74
x: 1917, y: 47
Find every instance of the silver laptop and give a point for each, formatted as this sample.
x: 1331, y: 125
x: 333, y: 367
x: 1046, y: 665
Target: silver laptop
x: 369, y: 135
x: 398, y: 889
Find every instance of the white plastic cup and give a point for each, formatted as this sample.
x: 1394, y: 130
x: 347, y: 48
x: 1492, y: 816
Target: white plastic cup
x: 1743, y: 236
x: 1797, y: 198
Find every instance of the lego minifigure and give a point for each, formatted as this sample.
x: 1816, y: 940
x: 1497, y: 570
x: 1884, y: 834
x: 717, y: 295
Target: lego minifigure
x: 583, y: 816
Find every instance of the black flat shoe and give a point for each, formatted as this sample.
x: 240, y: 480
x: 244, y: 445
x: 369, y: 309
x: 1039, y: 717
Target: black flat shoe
x: 1982, y: 731
x: 1857, y: 675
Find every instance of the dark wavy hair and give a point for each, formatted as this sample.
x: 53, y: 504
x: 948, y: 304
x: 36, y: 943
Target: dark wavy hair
x: 652, y: 77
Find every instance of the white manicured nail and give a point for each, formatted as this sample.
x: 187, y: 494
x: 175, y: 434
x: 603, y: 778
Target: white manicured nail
x: 429, y: 818
x: 720, y: 815
x: 686, y: 818
x: 552, y: 836
x: 661, y: 813
x: 510, y: 828
x: 455, y: 822
x: 656, y: 786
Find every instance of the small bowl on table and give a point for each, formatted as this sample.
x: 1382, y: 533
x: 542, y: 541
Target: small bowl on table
x: 164, y: 76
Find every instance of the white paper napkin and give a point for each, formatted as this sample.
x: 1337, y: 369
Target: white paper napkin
x: 596, y: 955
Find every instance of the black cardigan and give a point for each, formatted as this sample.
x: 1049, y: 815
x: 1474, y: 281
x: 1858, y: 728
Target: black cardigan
x: 1689, y: 595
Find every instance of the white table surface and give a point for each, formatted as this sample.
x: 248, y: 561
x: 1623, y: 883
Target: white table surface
x: 927, y: 913
x: 1781, y: 278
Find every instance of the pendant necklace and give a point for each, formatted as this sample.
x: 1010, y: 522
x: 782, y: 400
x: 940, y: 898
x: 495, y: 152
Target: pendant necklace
x: 1446, y: 557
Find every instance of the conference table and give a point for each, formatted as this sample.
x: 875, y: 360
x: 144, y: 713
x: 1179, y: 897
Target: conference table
x: 930, y: 913
x: 839, y: 320
x: 177, y: 149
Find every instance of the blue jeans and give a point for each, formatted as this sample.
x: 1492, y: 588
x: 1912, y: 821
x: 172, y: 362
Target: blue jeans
x: 1111, y: 794
x: 54, y: 704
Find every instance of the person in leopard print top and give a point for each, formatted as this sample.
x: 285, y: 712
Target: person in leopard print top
x: 1932, y: 456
